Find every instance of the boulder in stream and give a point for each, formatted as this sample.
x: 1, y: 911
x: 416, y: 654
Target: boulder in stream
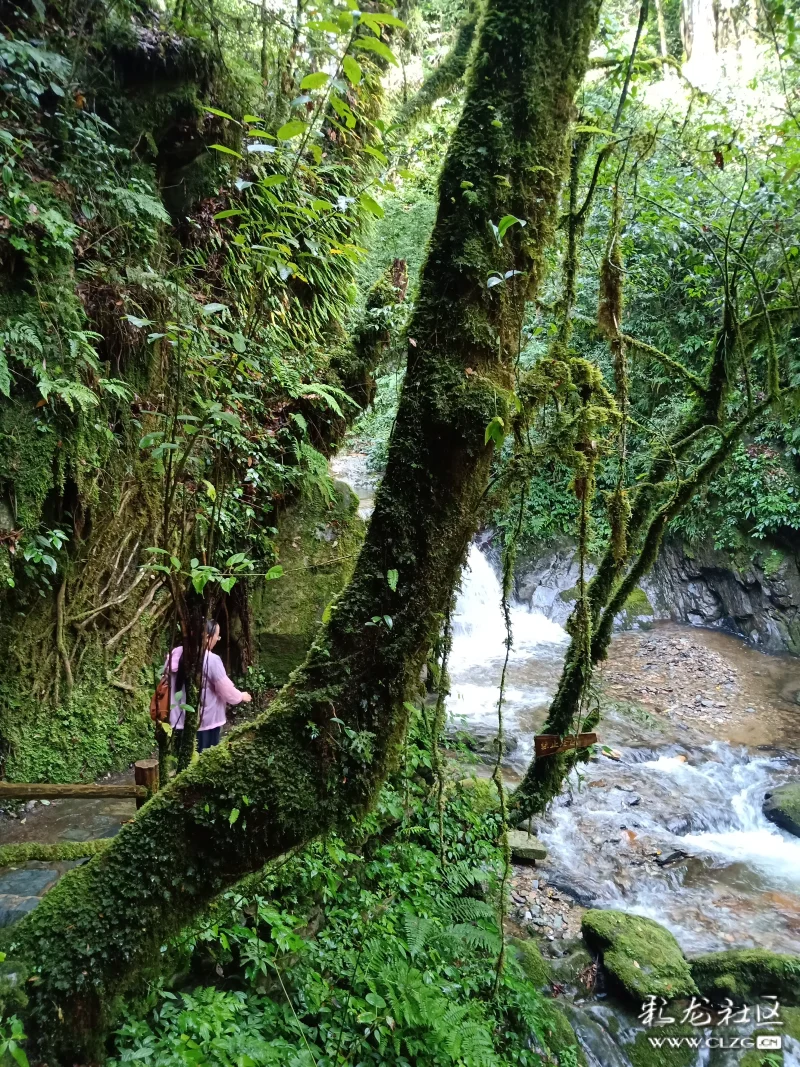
x: 641, y: 956
x: 782, y: 806
x: 525, y: 848
x: 745, y: 974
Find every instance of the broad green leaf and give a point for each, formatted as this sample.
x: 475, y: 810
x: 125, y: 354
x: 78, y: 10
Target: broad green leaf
x: 250, y: 119
x: 387, y: 20
x: 137, y: 322
x: 316, y: 152
x: 352, y: 69
x: 494, y: 279
x: 228, y: 151
x: 229, y: 213
x: 324, y: 26
x: 391, y: 578
x: 239, y: 342
x: 592, y: 129
x: 234, y: 815
x: 495, y: 431
x: 213, y: 308
x: 272, y: 180
x: 291, y: 129
x: 506, y: 222
x: 370, y: 44
x: 274, y: 572
x: 376, y: 154
x: 314, y: 81
x: 371, y: 205
x: 405, y: 173
x: 221, y: 114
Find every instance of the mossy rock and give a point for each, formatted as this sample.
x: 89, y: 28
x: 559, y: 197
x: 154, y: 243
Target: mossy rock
x: 641, y: 956
x: 318, y: 541
x: 525, y: 848
x: 567, y: 969
x: 641, y: 1052
x: 790, y: 1017
x: 482, y: 794
x: 745, y: 974
x: 637, y: 607
x: 782, y: 806
x: 559, y: 1035
x: 537, y: 969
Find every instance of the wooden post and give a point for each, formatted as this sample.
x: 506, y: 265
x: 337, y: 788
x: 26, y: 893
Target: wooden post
x: 145, y: 772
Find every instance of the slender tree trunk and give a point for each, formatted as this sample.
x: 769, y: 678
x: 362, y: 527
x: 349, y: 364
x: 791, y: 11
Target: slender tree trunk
x: 320, y: 754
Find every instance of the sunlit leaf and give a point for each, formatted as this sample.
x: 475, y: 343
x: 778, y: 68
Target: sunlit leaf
x: 227, y: 151
x: 291, y: 129
x: 370, y: 44
x: 314, y: 81
x: 352, y: 69
x: 370, y: 205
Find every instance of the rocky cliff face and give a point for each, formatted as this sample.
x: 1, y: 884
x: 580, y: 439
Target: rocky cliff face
x: 756, y: 596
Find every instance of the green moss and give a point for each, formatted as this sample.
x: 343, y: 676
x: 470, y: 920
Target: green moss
x: 773, y: 562
x: 568, y: 595
x: 641, y: 956
x: 287, y: 612
x: 636, y: 606
x: 12, y: 855
x: 560, y: 1036
x: 746, y: 974
x: 482, y: 793
x: 537, y: 970
x: 642, y: 1054
x: 100, y: 728
x: 783, y: 808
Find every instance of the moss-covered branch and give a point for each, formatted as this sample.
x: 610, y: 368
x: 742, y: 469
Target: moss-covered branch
x: 318, y: 757
x: 446, y: 76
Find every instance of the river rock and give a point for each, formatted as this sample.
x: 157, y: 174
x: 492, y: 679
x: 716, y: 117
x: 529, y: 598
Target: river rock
x: 746, y: 974
x: 536, y: 968
x: 525, y: 848
x: 782, y: 806
x: 642, y: 957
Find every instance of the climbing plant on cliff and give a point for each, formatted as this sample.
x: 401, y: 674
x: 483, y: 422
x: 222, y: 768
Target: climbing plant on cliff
x: 179, y: 239
x: 317, y: 758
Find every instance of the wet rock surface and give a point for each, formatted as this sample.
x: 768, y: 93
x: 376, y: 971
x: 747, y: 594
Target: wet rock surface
x: 539, y: 909
x: 783, y: 808
x: 756, y: 596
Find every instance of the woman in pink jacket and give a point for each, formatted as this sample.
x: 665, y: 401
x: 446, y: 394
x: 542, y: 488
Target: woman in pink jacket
x: 216, y: 691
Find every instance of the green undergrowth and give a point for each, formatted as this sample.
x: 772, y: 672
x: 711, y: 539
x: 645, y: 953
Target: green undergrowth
x: 364, y: 951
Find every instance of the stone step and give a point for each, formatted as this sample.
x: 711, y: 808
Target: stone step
x: 12, y: 908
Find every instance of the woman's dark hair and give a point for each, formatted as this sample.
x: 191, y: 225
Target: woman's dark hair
x: 180, y: 676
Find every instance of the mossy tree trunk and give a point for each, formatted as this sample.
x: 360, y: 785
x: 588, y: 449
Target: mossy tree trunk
x: 318, y: 757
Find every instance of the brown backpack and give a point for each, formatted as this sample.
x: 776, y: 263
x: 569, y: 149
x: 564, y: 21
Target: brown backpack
x: 159, y: 702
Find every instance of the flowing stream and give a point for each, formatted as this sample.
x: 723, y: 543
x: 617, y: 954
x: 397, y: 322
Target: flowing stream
x: 671, y: 828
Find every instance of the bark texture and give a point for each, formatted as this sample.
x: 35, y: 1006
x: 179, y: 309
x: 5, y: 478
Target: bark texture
x: 317, y: 758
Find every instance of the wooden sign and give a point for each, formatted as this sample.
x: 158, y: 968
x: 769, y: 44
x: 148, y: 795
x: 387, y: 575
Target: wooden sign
x: 552, y: 744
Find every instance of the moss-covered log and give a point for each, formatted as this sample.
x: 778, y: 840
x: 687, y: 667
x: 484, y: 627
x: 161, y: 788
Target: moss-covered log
x: 25, y: 851
x: 317, y: 758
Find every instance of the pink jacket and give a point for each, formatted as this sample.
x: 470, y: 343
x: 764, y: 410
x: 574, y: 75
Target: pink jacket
x: 216, y: 692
